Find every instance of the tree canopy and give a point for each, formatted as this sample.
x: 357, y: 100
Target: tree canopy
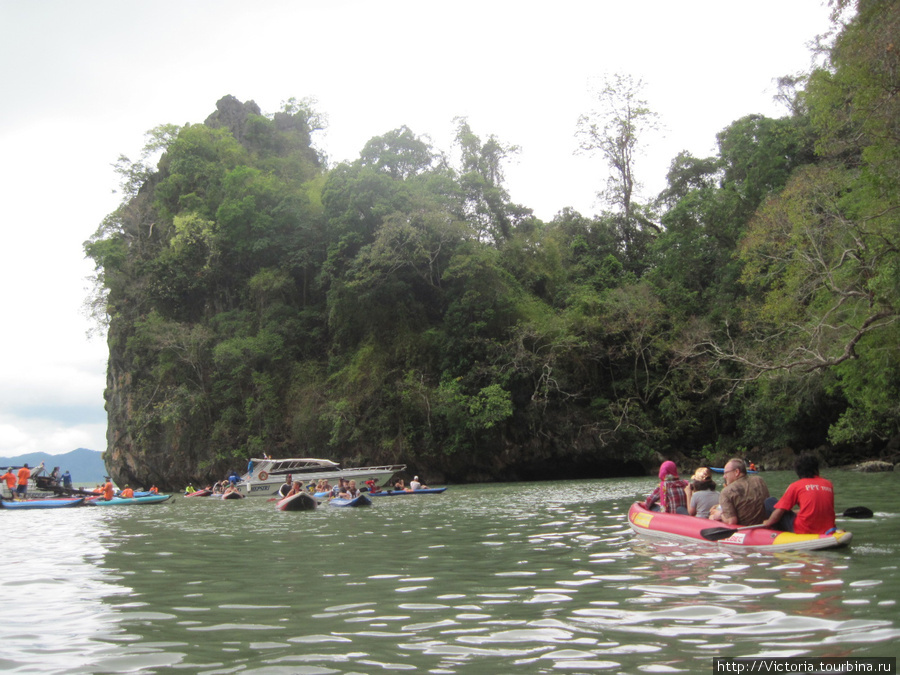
x: 400, y: 307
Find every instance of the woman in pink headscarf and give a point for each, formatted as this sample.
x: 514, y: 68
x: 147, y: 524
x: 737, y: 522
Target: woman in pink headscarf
x: 672, y: 494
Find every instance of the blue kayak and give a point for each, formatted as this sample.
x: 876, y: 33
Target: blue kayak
x: 398, y: 493
x: 42, y: 503
x: 362, y: 500
x: 118, y: 501
x: 720, y: 469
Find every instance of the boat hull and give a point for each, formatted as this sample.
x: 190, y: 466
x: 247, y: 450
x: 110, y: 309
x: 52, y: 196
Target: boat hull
x: 400, y: 493
x: 302, y: 501
x: 118, y: 501
x: 362, y: 500
x: 676, y: 527
x: 42, y: 503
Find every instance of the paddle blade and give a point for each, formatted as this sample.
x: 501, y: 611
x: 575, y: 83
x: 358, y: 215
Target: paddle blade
x: 717, y: 533
x: 858, y: 512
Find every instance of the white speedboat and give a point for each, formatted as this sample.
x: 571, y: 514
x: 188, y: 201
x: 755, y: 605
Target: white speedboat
x: 268, y: 475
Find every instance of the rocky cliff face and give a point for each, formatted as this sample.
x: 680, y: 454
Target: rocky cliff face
x: 170, y: 456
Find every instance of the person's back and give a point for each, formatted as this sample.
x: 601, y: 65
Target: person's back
x: 743, y: 498
x: 814, y: 495
x: 703, y: 499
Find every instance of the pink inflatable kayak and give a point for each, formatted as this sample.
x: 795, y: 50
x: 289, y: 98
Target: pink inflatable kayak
x: 690, y: 529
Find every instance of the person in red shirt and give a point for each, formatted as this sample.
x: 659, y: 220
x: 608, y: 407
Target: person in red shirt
x: 815, y: 496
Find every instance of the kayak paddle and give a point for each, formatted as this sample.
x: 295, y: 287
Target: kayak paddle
x: 858, y: 512
x: 717, y: 533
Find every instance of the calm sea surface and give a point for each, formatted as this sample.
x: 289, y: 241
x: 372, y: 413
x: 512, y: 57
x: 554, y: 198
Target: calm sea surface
x: 511, y: 578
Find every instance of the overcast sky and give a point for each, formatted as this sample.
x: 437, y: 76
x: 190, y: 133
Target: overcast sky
x: 82, y: 82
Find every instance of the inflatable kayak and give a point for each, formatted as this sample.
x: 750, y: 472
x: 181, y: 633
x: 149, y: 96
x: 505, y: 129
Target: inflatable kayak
x: 232, y: 495
x: 118, y: 501
x: 362, y: 500
x: 42, y: 503
x: 721, y: 469
x: 302, y: 501
x: 397, y: 493
x: 199, y: 493
x: 690, y: 529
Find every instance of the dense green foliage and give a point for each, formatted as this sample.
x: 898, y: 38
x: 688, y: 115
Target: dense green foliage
x: 400, y: 308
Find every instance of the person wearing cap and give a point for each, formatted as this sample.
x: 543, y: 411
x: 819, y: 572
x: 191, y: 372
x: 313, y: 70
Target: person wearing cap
x: 107, y: 489
x: 743, y: 499
x: 703, y: 493
x: 10, y: 479
x: 672, y: 495
x: 22, y: 482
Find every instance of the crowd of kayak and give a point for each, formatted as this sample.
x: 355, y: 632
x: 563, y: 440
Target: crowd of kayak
x: 293, y: 495
x: 743, y: 514
x: 104, y: 495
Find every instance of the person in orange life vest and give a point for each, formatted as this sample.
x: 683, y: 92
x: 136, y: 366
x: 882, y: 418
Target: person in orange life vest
x: 23, y: 475
x: 127, y: 493
x: 154, y: 490
x: 10, y: 479
x: 107, y: 489
x: 814, y: 494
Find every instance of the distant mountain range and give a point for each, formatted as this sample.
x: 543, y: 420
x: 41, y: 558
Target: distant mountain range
x: 86, y: 466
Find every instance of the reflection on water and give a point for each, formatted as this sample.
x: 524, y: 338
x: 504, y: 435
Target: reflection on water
x: 526, y: 578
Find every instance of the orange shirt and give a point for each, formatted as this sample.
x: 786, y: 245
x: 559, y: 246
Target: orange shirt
x: 108, y: 491
x: 10, y: 479
x: 154, y: 490
x: 127, y: 493
x: 24, y: 475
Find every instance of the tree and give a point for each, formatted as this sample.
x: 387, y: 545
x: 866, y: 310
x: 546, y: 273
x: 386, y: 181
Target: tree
x: 615, y: 130
x: 400, y: 153
x: 481, y: 178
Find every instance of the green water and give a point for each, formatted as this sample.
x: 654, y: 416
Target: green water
x: 513, y: 578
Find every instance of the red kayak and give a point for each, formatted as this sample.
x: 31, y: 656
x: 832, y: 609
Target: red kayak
x: 302, y: 501
x: 676, y: 527
x: 199, y: 493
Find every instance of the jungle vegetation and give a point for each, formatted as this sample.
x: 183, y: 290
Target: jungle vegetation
x: 400, y: 307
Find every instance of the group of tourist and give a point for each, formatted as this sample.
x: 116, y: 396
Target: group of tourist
x: 17, y: 482
x: 108, y: 491
x: 745, y: 499
x: 345, y: 489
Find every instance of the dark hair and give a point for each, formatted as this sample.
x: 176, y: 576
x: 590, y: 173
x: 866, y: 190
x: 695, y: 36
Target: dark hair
x: 697, y: 485
x: 807, y: 466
